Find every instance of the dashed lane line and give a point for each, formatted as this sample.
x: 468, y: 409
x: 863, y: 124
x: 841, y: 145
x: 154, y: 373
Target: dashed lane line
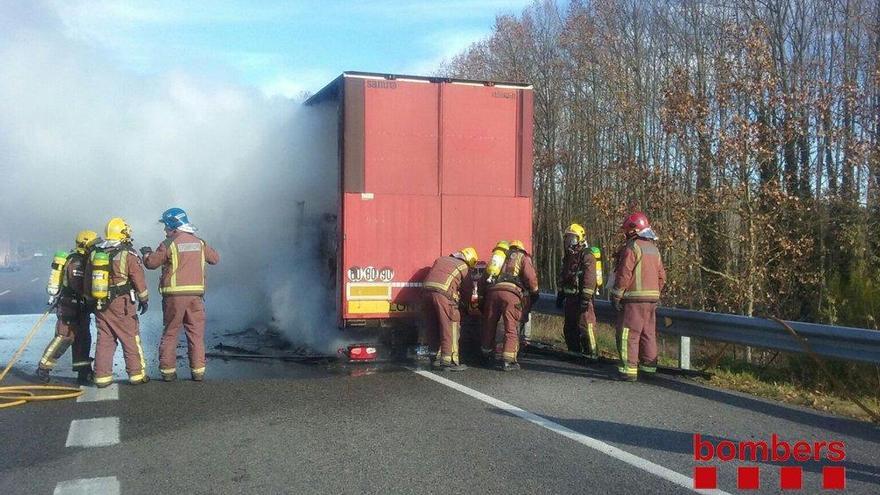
x: 35, y: 279
x: 88, y: 486
x: 95, y: 394
x: 596, y: 444
x: 7, y: 291
x: 95, y: 432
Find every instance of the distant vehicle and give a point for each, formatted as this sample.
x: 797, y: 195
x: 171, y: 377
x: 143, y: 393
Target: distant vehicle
x: 427, y: 166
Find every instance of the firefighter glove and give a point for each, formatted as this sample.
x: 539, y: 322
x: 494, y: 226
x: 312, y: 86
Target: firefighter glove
x: 618, y: 305
x: 146, y: 250
x: 560, y: 299
x: 143, y: 306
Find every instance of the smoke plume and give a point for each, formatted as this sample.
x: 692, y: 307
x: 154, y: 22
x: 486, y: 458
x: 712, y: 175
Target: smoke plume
x: 83, y: 139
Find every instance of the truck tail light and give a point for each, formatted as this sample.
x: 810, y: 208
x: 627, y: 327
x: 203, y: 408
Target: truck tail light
x: 362, y: 352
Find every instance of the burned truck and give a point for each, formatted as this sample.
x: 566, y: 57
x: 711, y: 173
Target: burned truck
x: 426, y: 167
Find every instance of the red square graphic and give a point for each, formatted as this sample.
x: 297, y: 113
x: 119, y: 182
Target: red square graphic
x: 791, y: 478
x: 833, y: 478
x: 748, y: 478
x: 705, y: 477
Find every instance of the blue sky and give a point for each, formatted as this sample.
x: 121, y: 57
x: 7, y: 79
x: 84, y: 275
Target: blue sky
x: 281, y: 47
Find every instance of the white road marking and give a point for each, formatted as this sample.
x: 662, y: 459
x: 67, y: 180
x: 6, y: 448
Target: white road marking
x: 593, y: 443
x: 7, y: 291
x: 34, y: 280
x: 89, y: 486
x: 97, y: 432
x: 95, y: 394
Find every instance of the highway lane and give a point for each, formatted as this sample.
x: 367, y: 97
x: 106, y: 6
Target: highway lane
x: 292, y: 428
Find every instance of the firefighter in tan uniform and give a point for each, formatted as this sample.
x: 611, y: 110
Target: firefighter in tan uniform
x: 442, y: 298
x: 639, y: 277
x: 578, y: 285
x: 72, y: 328
x: 505, y: 302
x: 182, y: 257
x: 117, y: 311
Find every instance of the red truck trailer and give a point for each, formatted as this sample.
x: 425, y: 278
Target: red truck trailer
x: 427, y: 166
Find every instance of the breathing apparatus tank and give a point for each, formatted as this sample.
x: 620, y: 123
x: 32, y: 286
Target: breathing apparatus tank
x: 100, y: 278
x: 496, y: 262
x: 57, y: 274
x: 597, y: 255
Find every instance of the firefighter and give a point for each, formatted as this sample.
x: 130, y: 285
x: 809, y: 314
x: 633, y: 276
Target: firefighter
x: 72, y: 328
x: 442, y: 298
x: 515, y: 289
x: 117, y: 310
x: 639, y: 277
x: 578, y: 285
x: 182, y: 257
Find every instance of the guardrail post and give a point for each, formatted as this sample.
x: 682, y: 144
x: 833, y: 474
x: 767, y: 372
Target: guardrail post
x: 684, y: 353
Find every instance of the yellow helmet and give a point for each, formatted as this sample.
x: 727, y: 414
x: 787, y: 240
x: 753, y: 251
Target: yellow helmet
x: 118, y: 230
x: 502, y: 245
x: 469, y: 256
x: 86, y: 239
x: 518, y: 244
x: 578, y: 231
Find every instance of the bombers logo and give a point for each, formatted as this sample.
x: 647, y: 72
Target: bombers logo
x: 774, y: 451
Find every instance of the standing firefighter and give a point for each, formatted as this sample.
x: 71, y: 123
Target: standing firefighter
x: 505, y: 301
x: 638, y: 280
x: 120, y: 291
x: 442, y: 298
x: 578, y: 285
x: 182, y: 257
x: 67, y: 289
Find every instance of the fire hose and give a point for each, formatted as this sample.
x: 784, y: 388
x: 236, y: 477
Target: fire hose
x: 16, y: 395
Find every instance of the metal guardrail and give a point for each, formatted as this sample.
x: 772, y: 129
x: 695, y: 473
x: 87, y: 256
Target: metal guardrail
x: 847, y: 343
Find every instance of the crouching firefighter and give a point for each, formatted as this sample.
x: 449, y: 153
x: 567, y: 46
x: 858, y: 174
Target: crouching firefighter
x: 120, y: 291
x: 578, y: 285
x: 639, y: 277
x: 442, y: 298
x: 182, y: 257
x: 67, y: 291
x: 505, y: 302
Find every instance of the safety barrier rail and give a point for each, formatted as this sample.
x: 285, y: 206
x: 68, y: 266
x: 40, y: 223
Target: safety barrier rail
x: 847, y: 343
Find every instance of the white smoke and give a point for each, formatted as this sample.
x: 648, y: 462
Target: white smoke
x: 83, y: 140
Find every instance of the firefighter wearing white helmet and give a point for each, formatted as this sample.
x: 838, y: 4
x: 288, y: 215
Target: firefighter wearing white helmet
x: 578, y: 284
x: 442, y: 297
x: 120, y: 291
x: 67, y: 291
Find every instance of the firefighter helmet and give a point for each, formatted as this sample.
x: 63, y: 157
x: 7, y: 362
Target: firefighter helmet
x: 502, y: 245
x: 174, y: 218
x: 469, y: 256
x: 635, y: 223
x: 578, y: 231
x: 518, y: 245
x: 118, y: 230
x: 85, y: 239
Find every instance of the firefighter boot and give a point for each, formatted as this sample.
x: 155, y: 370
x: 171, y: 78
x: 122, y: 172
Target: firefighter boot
x: 43, y: 374
x: 450, y: 366
x: 507, y: 366
x: 198, y: 376
x: 141, y: 381
x: 169, y: 377
x: 85, y: 376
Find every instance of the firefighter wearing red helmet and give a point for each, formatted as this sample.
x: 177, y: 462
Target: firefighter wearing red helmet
x: 639, y: 277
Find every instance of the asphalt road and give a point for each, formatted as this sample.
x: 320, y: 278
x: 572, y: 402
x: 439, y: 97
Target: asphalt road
x: 554, y: 427
x: 24, y: 290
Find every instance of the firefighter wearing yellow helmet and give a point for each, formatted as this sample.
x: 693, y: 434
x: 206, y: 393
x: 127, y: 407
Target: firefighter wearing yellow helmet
x: 578, y: 285
x: 66, y: 290
x: 442, y: 297
x: 119, y: 287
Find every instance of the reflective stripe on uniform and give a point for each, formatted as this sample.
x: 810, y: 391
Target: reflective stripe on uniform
x: 647, y: 369
x: 173, y: 288
x: 455, y: 334
x: 593, y: 347
x: 48, y: 360
x: 137, y: 342
x: 144, y: 295
x: 100, y: 380
x: 123, y: 268
x: 444, y: 286
x: 198, y: 371
x: 136, y: 378
x: 624, y: 354
x: 167, y: 371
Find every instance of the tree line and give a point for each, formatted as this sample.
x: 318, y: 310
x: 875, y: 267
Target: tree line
x: 747, y: 130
